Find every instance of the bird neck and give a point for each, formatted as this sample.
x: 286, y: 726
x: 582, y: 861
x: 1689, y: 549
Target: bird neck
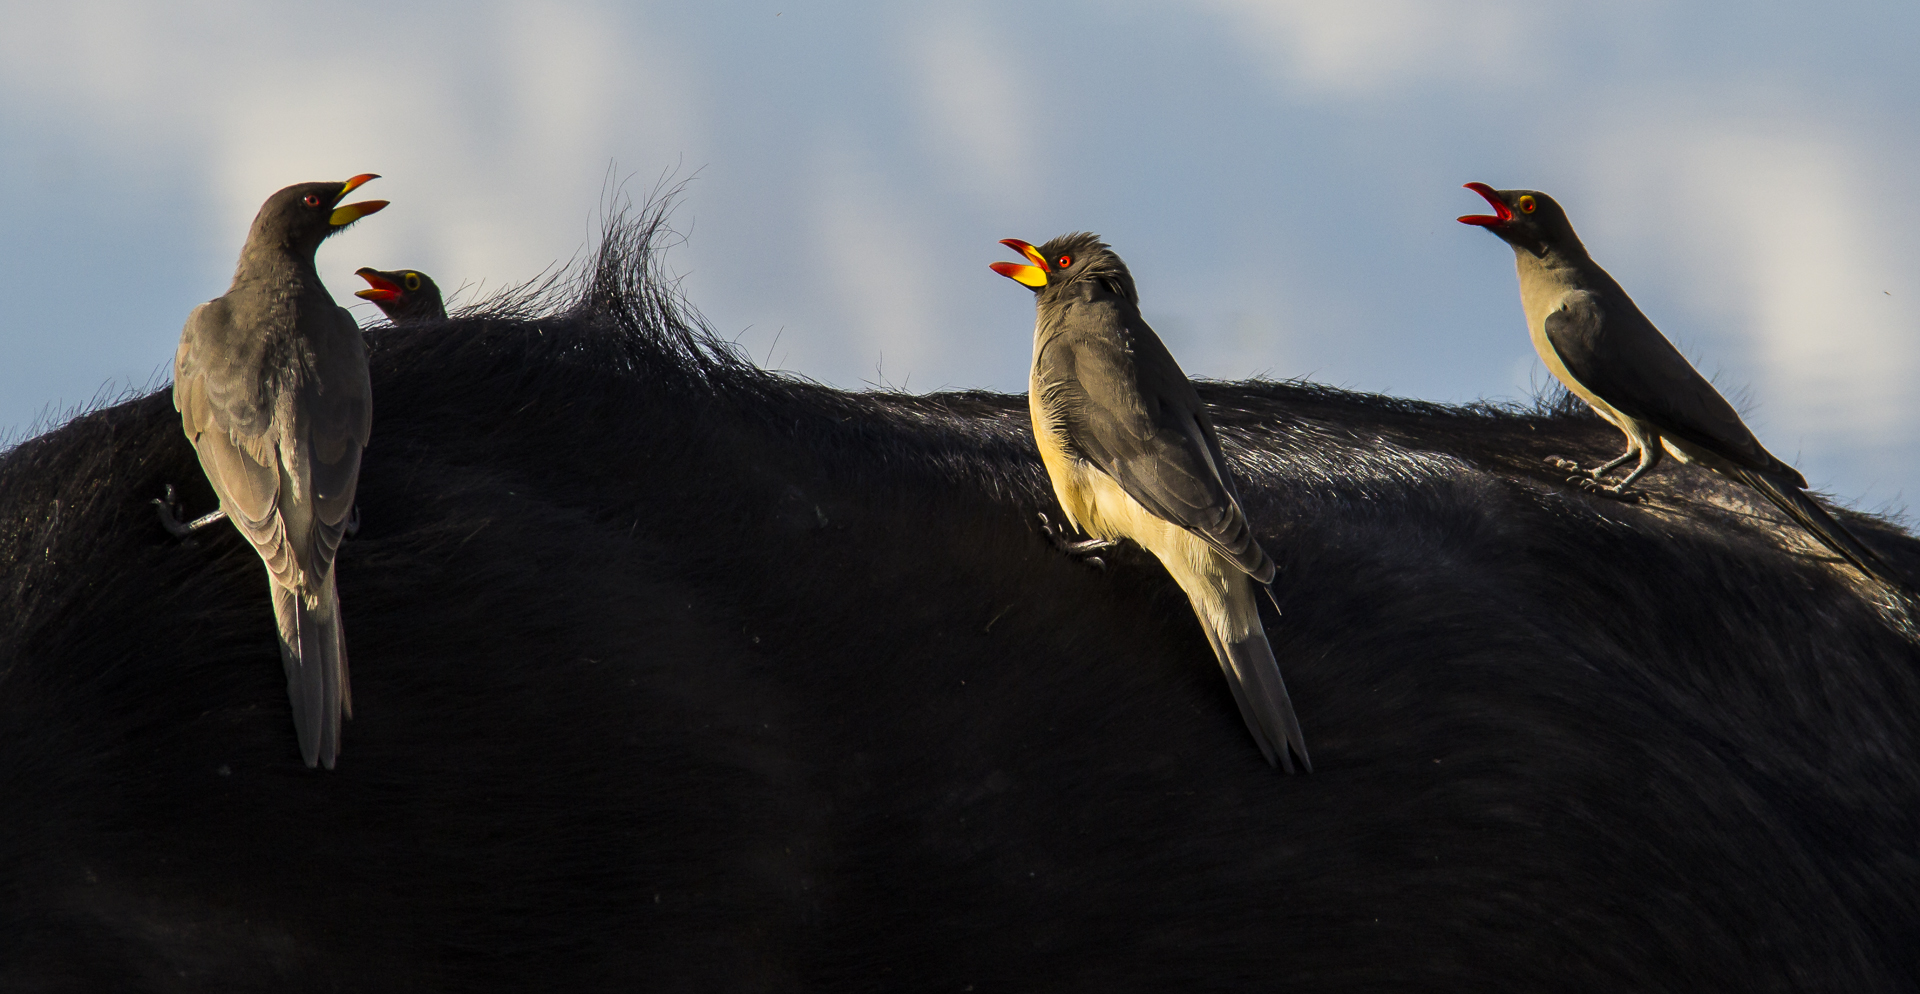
x: 1557, y: 258
x: 276, y: 251
x: 275, y: 264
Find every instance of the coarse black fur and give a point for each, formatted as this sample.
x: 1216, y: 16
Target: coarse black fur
x: 675, y: 674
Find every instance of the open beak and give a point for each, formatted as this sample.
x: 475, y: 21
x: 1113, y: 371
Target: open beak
x: 1501, y: 212
x: 1034, y: 276
x: 343, y: 216
x: 378, y: 286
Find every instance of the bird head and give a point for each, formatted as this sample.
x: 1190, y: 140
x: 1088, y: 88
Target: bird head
x: 1067, y: 260
x: 405, y: 295
x: 1525, y: 219
x: 304, y: 214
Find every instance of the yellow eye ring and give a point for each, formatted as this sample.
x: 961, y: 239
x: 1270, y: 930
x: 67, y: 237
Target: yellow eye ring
x: 1526, y: 205
x: 413, y: 279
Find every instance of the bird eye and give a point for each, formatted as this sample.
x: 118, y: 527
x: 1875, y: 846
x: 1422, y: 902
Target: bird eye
x: 1065, y: 261
x: 1526, y: 205
x: 412, y: 281
x: 313, y: 200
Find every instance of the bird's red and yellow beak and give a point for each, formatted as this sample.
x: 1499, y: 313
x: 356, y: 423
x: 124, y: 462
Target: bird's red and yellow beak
x: 1034, y: 276
x: 378, y: 286
x: 354, y: 212
x: 1501, y: 212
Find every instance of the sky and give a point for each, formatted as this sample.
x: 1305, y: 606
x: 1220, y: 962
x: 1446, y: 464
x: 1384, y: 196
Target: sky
x: 1281, y: 177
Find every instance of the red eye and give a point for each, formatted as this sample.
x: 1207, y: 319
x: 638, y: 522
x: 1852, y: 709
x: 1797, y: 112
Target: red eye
x: 1065, y: 261
x: 313, y: 200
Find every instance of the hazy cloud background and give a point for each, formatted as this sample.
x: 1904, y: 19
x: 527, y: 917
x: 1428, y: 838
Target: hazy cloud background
x: 1281, y: 176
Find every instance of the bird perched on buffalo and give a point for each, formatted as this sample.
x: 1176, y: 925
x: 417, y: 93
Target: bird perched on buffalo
x: 1132, y: 454
x: 405, y: 296
x: 1596, y: 341
x: 272, y: 388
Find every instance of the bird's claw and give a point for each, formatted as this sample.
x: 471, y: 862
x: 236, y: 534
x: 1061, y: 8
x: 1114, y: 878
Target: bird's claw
x: 1562, y: 462
x: 1082, y: 549
x: 1593, y: 486
x: 165, y: 507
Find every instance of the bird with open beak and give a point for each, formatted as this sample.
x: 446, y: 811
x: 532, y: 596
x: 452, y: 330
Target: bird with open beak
x: 1132, y: 455
x: 272, y: 388
x: 1594, y: 339
x: 405, y: 296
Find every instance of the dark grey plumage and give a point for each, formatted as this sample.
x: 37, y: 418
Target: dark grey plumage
x: 405, y: 296
x: 1595, y: 340
x: 1132, y: 454
x: 272, y: 388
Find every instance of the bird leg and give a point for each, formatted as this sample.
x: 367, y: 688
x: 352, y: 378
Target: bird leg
x: 1649, y: 458
x: 1633, y: 449
x: 353, y: 521
x: 1562, y: 462
x: 172, y: 523
x: 1082, y: 549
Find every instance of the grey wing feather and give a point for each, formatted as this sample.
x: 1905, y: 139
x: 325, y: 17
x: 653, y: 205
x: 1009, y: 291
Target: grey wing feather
x: 229, y: 424
x: 1132, y: 412
x: 1619, y: 355
x: 337, y: 411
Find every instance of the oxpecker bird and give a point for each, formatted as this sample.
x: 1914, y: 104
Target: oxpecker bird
x: 406, y: 296
x: 271, y: 384
x: 1132, y: 455
x: 1596, y: 341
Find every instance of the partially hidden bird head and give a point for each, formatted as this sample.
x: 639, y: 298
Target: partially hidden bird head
x: 406, y: 296
x: 1525, y: 219
x: 301, y: 216
x: 1080, y: 258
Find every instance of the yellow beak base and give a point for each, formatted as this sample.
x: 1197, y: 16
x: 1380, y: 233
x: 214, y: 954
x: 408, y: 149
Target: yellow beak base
x: 1032, y: 276
x: 354, y: 212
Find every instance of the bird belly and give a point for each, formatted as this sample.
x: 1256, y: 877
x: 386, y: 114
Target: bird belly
x: 1219, y: 591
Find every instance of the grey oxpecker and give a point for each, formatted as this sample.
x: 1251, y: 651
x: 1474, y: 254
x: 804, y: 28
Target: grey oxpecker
x: 271, y: 384
x: 1132, y: 454
x: 1596, y: 341
x: 405, y: 296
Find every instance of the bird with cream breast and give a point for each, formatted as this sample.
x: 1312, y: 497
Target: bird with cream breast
x: 1132, y: 455
x: 1596, y: 341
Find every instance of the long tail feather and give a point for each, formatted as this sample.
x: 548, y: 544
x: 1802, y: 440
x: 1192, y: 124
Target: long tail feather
x: 1254, y: 677
x: 1802, y: 508
x: 314, y: 654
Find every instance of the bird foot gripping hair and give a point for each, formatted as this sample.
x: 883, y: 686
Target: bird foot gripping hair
x: 1594, y: 339
x: 1132, y: 454
x: 1086, y: 550
x: 170, y: 517
x: 272, y: 388
x: 406, y: 296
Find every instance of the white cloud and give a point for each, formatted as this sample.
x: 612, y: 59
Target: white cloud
x: 1780, y: 232
x: 867, y: 267
x: 492, y: 126
x: 1362, y: 46
x: 976, y: 108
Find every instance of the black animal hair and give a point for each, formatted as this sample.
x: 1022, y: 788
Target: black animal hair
x: 674, y: 673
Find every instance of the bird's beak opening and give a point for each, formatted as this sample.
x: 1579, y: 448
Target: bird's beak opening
x: 1034, y: 276
x: 1501, y: 212
x: 343, y: 216
x: 378, y: 286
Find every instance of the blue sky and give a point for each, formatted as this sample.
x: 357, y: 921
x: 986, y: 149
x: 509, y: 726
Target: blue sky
x: 1282, y: 177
